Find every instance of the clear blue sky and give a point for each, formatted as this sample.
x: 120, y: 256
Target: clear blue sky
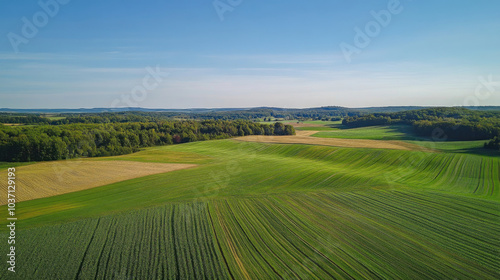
x: 263, y: 53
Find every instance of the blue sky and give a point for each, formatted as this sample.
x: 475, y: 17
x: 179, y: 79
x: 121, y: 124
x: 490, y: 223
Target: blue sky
x: 254, y: 53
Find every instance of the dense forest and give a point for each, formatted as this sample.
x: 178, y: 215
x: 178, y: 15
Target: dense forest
x: 54, y: 142
x: 23, y: 118
x: 325, y: 113
x: 123, y: 115
x: 440, y: 123
x: 150, y: 115
x: 69, y: 135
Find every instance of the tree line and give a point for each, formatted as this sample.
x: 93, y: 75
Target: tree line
x: 326, y: 113
x: 493, y: 144
x: 320, y: 113
x: 446, y: 123
x: 49, y: 142
x: 23, y: 118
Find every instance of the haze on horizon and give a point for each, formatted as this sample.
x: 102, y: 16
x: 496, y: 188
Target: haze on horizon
x: 295, y: 54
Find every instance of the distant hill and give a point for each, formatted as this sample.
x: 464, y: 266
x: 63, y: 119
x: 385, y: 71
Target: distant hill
x: 368, y: 110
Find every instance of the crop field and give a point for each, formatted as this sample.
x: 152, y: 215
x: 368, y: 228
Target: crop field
x: 55, y: 118
x: 304, y: 137
x: 314, y: 125
x: 393, y: 132
x: 471, y: 147
x: 361, y: 235
x: 151, y: 155
x: 13, y: 124
x: 252, y: 210
x: 53, y: 178
x: 402, y: 133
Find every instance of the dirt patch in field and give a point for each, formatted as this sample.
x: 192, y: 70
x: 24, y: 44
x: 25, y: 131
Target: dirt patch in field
x: 304, y: 137
x: 13, y: 124
x: 59, y: 177
x: 304, y: 133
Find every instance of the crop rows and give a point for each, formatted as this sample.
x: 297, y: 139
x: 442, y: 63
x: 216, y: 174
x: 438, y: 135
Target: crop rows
x: 290, y: 211
x: 263, y: 169
x: 53, y: 178
x: 370, y: 234
x: 168, y: 242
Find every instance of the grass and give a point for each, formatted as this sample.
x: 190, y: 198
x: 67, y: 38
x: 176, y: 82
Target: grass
x: 244, y: 168
x: 309, y: 125
x: 316, y: 125
x: 13, y: 124
x: 158, y: 155
x: 404, y: 133
x: 315, y: 128
x: 324, y: 123
x: 467, y: 147
x: 5, y: 165
x: 52, y: 178
x: 360, y: 235
x: 451, y: 146
x: 304, y: 138
x: 265, y: 211
x: 394, y: 132
x: 55, y: 118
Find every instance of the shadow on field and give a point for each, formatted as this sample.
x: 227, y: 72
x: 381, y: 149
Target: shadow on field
x: 392, y: 132
x: 479, y: 151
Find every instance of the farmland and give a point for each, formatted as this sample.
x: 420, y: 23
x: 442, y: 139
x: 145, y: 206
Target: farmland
x: 53, y: 178
x: 404, y: 133
x: 249, y: 140
x: 306, y: 236
x: 394, y: 132
x: 265, y: 210
x: 304, y: 137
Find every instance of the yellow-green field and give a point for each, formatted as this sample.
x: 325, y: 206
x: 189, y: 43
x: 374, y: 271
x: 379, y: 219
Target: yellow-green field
x: 59, y: 177
x: 304, y: 137
x: 252, y: 210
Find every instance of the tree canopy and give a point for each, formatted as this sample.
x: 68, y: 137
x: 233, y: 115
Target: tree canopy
x: 54, y: 142
x: 450, y: 123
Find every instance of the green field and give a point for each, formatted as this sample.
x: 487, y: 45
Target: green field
x: 468, y: 147
x: 323, y: 123
x: 5, y: 165
x: 261, y: 211
x: 317, y: 125
x: 313, y: 125
x: 399, y: 132
x: 394, y: 132
x: 316, y: 128
x: 55, y: 118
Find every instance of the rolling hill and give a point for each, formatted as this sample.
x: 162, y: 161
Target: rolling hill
x: 271, y: 211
